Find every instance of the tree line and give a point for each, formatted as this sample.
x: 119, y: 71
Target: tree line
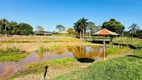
x: 14, y: 28
x: 79, y: 29
x: 82, y: 25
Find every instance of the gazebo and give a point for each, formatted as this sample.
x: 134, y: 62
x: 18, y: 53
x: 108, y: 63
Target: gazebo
x: 104, y: 33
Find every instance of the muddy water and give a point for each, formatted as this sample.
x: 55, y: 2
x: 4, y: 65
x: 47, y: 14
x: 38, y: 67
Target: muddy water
x: 89, y: 52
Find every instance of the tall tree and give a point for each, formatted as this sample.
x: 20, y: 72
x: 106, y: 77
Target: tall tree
x: 13, y: 26
x: 91, y: 25
x: 92, y: 28
x: 40, y: 28
x: 134, y: 29
x: 60, y: 28
x: 114, y: 26
x: 4, y: 24
x: 81, y: 26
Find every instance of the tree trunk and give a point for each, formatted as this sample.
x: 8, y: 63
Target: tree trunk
x: 83, y: 34
x: 5, y: 31
x: 90, y: 34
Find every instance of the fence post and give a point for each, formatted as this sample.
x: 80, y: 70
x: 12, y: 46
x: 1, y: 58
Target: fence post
x: 46, y: 68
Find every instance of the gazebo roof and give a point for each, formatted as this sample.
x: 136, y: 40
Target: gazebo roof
x: 105, y: 32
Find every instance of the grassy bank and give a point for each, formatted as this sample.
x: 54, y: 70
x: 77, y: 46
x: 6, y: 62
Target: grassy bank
x: 116, y: 50
x: 56, y: 46
x: 125, y: 40
x: 124, y: 68
x: 37, y: 68
x: 11, y: 54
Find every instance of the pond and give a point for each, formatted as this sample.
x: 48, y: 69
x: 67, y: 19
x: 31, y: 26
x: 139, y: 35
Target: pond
x: 81, y: 53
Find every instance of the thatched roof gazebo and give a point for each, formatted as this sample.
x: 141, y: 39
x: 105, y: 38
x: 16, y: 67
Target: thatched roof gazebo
x: 104, y: 33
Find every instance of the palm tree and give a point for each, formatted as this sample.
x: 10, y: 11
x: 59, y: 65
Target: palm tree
x: 4, y: 24
x: 13, y: 26
x: 134, y: 29
x: 80, y: 26
x: 91, y: 26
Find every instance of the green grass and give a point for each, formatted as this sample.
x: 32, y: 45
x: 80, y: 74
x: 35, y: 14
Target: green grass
x: 64, y: 61
x: 126, y: 40
x: 8, y: 50
x: 11, y: 54
x: 138, y: 53
x: 13, y: 57
x: 116, y: 50
x: 36, y: 68
x: 42, y: 49
x: 124, y: 68
x: 53, y: 47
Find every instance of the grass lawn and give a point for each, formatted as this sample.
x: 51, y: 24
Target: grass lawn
x: 13, y: 57
x: 116, y: 50
x: 134, y: 41
x: 123, y: 68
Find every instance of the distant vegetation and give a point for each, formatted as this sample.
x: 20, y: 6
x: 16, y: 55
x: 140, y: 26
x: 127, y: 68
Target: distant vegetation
x: 14, y: 28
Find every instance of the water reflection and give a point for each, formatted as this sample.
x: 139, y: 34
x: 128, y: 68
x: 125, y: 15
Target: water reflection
x: 92, y: 52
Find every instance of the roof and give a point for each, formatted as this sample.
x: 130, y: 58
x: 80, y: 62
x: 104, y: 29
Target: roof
x: 47, y: 33
x: 105, y: 32
x: 42, y: 33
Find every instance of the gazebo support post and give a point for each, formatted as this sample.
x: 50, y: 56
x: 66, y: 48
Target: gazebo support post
x: 80, y: 34
x: 104, y: 45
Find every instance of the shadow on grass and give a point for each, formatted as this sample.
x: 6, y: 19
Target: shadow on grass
x: 85, y: 60
x: 134, y: 56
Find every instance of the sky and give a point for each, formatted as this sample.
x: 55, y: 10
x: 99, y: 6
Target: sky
x: 49, y: 13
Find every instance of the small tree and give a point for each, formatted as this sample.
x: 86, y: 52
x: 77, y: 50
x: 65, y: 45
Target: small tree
x: 4, y: 24
x: 70, y: 31
x: 134, y: 29
x: 60, y: 28
x: 40, y: 28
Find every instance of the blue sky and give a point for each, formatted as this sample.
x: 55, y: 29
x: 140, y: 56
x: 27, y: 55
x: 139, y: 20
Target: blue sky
x: 49, y: 13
